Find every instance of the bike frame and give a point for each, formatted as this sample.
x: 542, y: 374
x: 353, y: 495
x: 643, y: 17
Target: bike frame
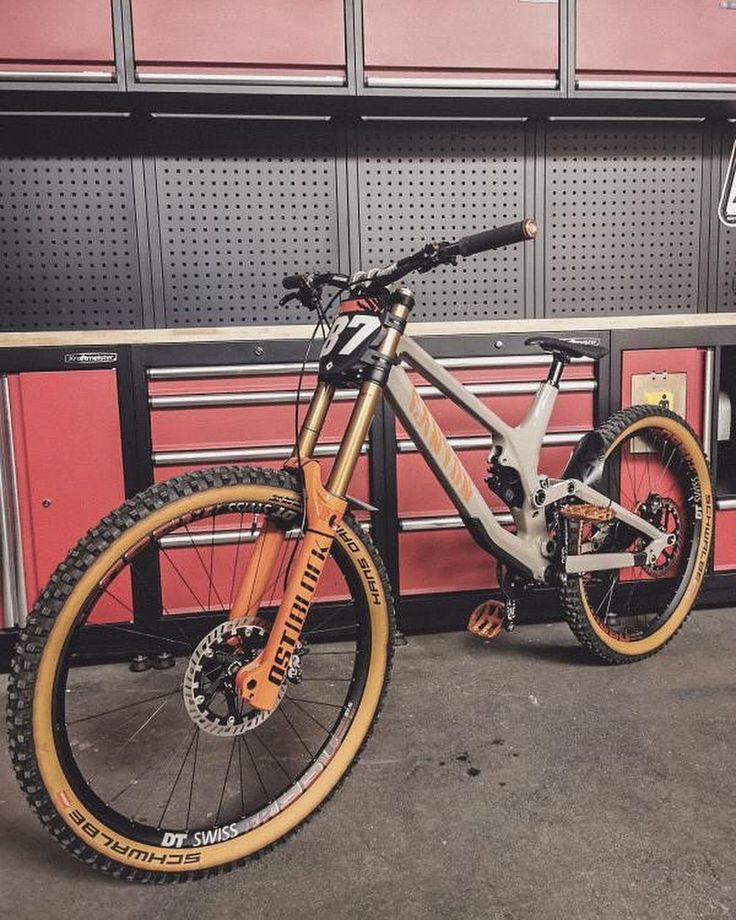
x: 528, y: 550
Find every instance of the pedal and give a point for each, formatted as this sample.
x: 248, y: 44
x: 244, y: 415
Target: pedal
x: 486, y: 621
x: 585, y: 512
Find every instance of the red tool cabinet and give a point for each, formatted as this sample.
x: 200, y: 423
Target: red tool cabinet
x: 472, y: 42
x: 270, y: 41
x: 435, y: 553
x: 658, y: 44
x: 56, y: 38
x: 69, y: 467
x: 244, y: 419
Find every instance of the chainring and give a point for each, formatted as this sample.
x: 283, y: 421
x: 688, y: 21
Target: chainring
x: 210, y: 696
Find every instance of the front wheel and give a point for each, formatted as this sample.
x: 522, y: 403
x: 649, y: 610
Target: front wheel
x: 653, y: 465
x: 166, y: 773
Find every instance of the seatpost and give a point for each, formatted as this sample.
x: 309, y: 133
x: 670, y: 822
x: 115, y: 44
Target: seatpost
x: 559, y: 362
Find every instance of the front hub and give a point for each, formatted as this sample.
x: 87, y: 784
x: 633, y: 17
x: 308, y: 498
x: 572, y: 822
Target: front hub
x: 211, y: 697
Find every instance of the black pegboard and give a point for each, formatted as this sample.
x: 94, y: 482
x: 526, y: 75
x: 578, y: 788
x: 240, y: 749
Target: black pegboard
x: 68, y: 240
x: 622, y: 218
x: 422, y: 181
x: 241, y: 204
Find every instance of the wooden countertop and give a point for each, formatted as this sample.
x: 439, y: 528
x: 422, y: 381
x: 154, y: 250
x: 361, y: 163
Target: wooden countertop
x: 254, y: 333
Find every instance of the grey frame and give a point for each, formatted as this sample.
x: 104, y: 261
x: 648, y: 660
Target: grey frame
x: 520, y: 449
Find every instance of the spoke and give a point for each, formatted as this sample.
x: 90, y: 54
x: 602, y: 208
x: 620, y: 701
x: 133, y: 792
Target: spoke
x: 255, y: 767
x: 345, y: 680
x: 224, y: 783
x: 144, y: 635
x: 300, y: 699
x: 144, y: 724
x: 208, y: 575
x: 273, y: 757
x: 307, y: 713
x: 107, y: 712
x: 329, y: 629
x: 191, y: 784
x: 237, y: 556
x: 240, y: 777
x: 175, y: 567
x: 195, y: 734
x: 327, y: 619
x: 293, y: 728
x: 346, y: 652
x: 137, y: 812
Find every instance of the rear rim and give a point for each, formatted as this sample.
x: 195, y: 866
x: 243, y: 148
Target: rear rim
x: 656, y: 469
x: 151, y: 787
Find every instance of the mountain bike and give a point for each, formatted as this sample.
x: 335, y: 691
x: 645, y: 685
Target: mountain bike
x: 258, y: 711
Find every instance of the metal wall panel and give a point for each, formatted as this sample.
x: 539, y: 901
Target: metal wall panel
x: 68, y: 240
x: 421, y: 181
x: 241, y: 204
x: 622, y: 218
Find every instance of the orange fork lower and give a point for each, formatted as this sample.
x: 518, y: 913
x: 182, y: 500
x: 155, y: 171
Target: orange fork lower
x: 259, y: 681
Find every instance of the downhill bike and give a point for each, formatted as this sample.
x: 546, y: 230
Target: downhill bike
x: 184, y: 771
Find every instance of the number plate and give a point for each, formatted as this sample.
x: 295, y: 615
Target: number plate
x: 350, y: 335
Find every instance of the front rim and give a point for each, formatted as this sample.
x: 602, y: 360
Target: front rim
x: 96, y: 815
x: 657, y: 602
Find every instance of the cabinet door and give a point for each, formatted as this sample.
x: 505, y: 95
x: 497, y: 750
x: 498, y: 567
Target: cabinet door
x: 56, y: 38
x: 660, y: 44
x: 471, y: 43
x: 269, y: 41
x: 69, y: 466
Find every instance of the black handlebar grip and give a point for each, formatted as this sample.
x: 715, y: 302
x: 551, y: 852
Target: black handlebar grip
x: 292, y: 282
x: 498, y: 237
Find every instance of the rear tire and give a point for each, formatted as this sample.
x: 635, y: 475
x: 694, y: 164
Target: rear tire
x: 619, y: 635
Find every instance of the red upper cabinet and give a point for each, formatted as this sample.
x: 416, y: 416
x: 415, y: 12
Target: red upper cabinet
x: 56, y: 38
x: 657, y: 45
x: 470, y: 44
x: 268, y: 41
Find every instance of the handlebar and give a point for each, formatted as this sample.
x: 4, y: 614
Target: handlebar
x: 494, y: 239
x: 425, y: 259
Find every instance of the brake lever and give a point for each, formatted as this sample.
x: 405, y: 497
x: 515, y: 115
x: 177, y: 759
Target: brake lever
x: 434, y: 256
x: 295, y: 295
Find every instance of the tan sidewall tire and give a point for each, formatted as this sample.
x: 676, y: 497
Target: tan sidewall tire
x: 657, y: 639
x: 128, y: 852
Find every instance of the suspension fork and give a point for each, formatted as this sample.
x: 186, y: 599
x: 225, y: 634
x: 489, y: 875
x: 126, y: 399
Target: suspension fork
x: 269, y: 544
x: 259, y: 681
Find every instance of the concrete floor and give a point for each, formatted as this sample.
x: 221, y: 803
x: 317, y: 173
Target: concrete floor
x: 509, y: 781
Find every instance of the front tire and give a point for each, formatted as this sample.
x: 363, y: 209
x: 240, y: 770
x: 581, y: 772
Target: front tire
x: 79, y: 781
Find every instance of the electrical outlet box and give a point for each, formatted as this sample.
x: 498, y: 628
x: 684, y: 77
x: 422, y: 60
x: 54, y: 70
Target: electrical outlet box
x: 669, y: 391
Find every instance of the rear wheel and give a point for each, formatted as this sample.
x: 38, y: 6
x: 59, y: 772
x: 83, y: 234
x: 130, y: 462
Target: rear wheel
x: 654, y: 466
x: 167, y: 773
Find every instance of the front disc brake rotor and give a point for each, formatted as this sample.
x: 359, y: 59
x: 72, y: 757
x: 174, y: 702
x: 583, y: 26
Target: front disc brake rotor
x: 210, y: 695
